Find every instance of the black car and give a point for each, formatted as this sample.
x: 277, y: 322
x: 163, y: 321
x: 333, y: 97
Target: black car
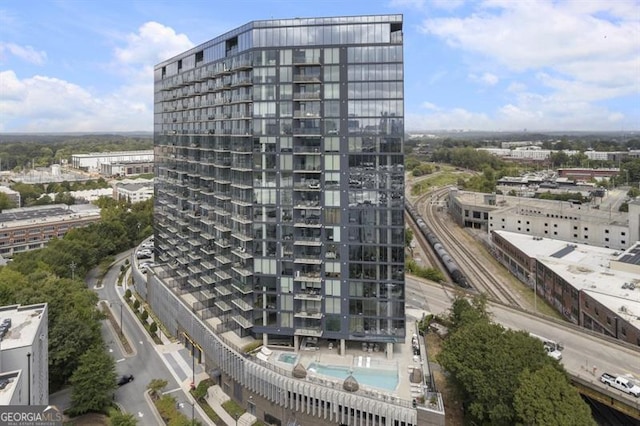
x: 124, y: 379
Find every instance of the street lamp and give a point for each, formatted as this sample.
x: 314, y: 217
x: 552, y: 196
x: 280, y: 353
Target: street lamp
x: 28, y: 378
x: 73, y: 265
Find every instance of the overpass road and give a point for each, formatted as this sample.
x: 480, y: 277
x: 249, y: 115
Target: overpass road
x: 586, y: 355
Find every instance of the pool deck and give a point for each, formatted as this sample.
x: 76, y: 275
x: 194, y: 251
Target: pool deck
x: 402, y: 360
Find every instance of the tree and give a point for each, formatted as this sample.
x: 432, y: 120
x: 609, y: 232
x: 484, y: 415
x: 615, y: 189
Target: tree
x: 118, y: 418
x: 153, y: 328
x: 155, y: 387
x: 545, y: 397
x: 408, y: 237
x: 136, y: 304
x: 464, y: 312
x: 144, y: 315
x: 6, y: 202
x: 94, y: 381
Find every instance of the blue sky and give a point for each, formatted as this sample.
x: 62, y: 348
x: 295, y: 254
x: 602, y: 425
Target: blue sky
x: 85, y: 65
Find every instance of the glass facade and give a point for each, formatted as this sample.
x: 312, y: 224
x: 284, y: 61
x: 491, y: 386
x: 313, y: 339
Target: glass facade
x: 280, y: 179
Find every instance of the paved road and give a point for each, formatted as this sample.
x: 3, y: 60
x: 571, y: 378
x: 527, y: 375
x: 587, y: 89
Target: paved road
x: 582, y: 351
x: 169, y: 362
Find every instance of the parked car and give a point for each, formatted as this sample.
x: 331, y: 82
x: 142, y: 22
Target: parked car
x: 124, y: 379
x: 144, y: 254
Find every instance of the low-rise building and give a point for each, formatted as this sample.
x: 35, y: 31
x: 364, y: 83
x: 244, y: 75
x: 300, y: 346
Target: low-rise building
x: 126, y: 168
x: 13, y: 196
x: 133, y: 192
x: 30, y: 228
x: 93, y: 162
x: 597, y: 288
x: 565, y: 220
x: 24, y: 355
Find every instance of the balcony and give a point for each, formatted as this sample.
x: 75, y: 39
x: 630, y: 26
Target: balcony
x: 243, y: 322
x: 244, y: 306
x: 311, y: 314
x: 309, y: 277
x: 311, y: 295
x: 308, y: 261
x: 309, y: 331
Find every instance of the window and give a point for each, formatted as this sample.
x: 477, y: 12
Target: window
x: 332, y: 287
x: 606, y: 231
x: 332, y: 162
x: 332, y: 198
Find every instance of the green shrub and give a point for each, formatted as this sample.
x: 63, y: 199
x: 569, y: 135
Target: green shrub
x: 153, y: 328
x: 144, y: 315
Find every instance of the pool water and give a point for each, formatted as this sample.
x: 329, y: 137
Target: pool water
x: 288, y: 358
x: 381, y: 379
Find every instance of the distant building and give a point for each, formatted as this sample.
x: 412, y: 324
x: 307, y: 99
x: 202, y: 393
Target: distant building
x: 126, y: 168
x: 595, y: 287
x: 30, y: 228
x: 133, y: 192
x: 24, y: 355
x: 580, y: 223
x: 93, y: 162
x: 587, y: 174
x: 11, y: 194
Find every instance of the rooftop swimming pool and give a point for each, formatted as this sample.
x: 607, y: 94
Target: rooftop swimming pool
x: 288, y: 358
x: 376, y: 378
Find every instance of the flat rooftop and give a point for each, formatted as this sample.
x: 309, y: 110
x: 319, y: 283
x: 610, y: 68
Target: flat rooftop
x: 506, y: 204
x: 44, y: 214
x: 8, y: 383
x: 586, y: 268
x: 25, y: 321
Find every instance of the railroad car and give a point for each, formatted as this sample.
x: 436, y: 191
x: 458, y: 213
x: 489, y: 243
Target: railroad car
x: 450, y: 265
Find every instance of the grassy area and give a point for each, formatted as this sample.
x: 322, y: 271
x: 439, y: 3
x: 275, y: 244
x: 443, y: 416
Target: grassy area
x: 438, y: 179
x: 233, y: 409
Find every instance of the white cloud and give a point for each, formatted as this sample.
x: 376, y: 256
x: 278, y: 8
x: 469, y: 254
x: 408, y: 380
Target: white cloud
x: 152, y: 43
x: 529, y: 111
x: 569, y: 38
x: 26, y: 53
x: 55, y: 105
x: 441, y: 119
x: 486, y: 79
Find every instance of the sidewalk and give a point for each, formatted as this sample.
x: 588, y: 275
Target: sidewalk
x: 180, y: 369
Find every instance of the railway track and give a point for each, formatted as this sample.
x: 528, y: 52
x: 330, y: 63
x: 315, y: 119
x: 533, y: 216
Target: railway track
x: 478, y: 276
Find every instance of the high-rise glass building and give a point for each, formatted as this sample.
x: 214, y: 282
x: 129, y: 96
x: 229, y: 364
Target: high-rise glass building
x: 280, y: 181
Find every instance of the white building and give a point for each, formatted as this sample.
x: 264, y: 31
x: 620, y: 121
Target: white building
x: 133, y: 192
x: 24, y: 355
x: 92, y: 162
x: 13, y: 195
x: 579, y: 223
